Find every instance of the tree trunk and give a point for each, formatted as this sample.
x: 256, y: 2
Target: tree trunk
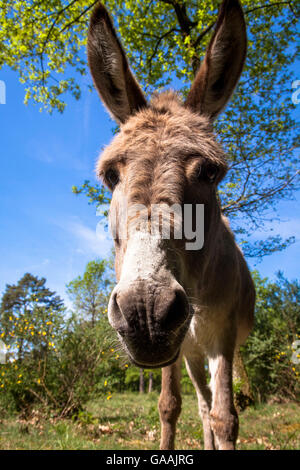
x: 142, y: 381
x: 243, y: 395
x: 20, y: 350
x: 150, y: 387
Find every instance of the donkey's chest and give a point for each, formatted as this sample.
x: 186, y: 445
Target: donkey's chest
x: 205, y: 328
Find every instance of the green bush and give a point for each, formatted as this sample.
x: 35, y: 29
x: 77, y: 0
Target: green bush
x: 82, y: 365
x: 268, y: 353
x: 62, y: 363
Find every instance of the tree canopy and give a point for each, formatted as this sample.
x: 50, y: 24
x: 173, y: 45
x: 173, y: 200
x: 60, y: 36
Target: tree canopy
x: 90, y: 292
x: 30, y: 316
x: 44, y: 41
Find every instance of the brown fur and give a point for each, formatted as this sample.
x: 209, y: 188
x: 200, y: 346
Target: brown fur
x: 191, y: 304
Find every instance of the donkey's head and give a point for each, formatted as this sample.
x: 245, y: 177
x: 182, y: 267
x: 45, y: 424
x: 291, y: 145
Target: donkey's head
x: 165, y: 156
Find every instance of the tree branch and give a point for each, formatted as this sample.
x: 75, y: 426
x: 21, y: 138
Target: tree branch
x: 172, y: 30
x: 201, y: 35
x: 185, y: 23
x: 79, y: 16
x: 195, y: 44
x: 258, y: 196
x: 270, y: 5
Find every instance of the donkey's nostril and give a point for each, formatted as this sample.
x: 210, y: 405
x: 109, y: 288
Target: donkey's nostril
x: 151, y: 321
x: 172, y: 309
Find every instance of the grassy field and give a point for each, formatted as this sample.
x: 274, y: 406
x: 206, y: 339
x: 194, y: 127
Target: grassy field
x: 130, y: 421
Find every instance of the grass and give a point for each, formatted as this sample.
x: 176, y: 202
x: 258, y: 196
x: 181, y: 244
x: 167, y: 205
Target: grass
x: 130, y: 421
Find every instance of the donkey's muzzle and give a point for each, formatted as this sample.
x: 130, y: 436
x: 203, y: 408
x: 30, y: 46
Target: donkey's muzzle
x: 151, y: 321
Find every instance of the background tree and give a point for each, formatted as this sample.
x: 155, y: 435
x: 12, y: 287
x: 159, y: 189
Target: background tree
x: 90, y: 292
x: 30, y: 316
x: 165, y: 40
x: 150, y: 385
x: 31, y: 323
x: 142, y: 381
x: 151, y: 379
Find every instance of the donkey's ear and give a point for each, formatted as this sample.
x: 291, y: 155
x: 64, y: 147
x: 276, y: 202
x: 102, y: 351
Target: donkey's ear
x: 113, y: 79
x: 223, y: 63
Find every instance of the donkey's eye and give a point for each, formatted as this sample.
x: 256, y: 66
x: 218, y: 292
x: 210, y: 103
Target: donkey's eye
x: 209, y: 173
x: 112, y: 178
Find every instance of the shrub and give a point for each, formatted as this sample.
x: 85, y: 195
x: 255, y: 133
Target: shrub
x: 268, y: 353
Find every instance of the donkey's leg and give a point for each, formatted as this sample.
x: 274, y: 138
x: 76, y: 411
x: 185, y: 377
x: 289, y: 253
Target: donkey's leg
x: 223, y: 415
x: 196, y: 371
x: 169, y: 403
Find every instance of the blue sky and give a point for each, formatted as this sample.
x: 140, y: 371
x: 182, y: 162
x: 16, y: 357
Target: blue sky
x: 47, y: 230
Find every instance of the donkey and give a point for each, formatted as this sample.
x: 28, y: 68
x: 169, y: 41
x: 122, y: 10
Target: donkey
x: 172, y: 303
